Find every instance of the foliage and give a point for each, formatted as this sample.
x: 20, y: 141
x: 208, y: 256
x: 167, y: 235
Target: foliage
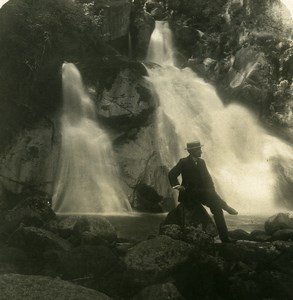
x: 38, y: 36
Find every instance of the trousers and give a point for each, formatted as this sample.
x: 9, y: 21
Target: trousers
x: 214, y: 202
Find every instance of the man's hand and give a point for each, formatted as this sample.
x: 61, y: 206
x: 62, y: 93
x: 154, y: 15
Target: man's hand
x: 180, y: 188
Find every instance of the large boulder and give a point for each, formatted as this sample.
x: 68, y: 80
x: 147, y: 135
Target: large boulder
x: 153, y: 260
x: 30, y: 208
x: 79, y: 228
x: 277, y: 222
x: 239, y: 234
x: 25, y: 287
x: 249, y: 76
x: 128, y: 100
x: 248, y: 252
x: 194, y: 217
x: 200, y: 239
x: 283, y: 235
x: 35, y: 241
x: 259, y: 236
x: 81, y: 262
x: 138, y: 154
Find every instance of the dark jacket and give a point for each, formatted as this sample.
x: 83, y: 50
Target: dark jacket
x: 195, y: 177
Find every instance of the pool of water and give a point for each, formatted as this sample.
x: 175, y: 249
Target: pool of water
x: 139, y: 226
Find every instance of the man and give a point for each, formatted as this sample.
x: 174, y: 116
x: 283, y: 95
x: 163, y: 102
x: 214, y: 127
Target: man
x: 197, y: 187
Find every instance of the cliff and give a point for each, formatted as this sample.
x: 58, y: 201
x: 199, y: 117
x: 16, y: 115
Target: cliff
x: 242, y: 47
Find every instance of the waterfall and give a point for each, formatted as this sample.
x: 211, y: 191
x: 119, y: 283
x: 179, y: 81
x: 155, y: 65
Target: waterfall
x: 160, y: 47
x: 87, y: 181
x: 251, y: 169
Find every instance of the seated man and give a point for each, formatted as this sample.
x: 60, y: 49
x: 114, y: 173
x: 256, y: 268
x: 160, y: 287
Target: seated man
x: 197, y: 186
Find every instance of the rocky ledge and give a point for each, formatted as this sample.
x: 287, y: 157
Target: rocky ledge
x: 74, y: 255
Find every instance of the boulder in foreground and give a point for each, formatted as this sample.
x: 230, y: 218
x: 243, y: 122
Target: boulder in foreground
x: 24, y: 287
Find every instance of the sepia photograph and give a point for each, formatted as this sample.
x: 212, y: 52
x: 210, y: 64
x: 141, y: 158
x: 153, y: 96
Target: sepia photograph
x: 146, y: 149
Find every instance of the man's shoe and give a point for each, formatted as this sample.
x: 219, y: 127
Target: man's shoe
x: 231, y: 210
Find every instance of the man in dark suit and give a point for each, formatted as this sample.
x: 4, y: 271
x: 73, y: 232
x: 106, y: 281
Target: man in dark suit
x: 197, y: 187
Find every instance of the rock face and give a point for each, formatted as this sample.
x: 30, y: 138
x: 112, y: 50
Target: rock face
x: 122, y: 94
x: 14, y: 286
x: 142, y: 26
x: 129, y: 98
x: 115, y: 18
x: 139, y: 157
x: 242, y: 46
x: 31, y: 160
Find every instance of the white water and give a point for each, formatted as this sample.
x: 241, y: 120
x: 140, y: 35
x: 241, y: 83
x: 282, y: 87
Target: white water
x: 250, y: 168
x: 87, y: 181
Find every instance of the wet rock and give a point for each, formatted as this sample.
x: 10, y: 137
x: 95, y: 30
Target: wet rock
x: 248, y: 252
x: 193, y: 217
x: 152, y: 4
x: 138, y: 154
x: 128, y: 100
x: 142, y: 26
x: 283, y: 235
x: 159, y: 13
x: 249, y: 75
x: 81, y: 262
x: 33, y: 209
x: 93, y: 229
x: 239, y: 234
x: 25, y: 287
x: 277, y: 222
x: 151, y: 261
x: 147, y: 199
x: 98, y: 226
x: 35, y: 241
x: 166, y: 291
x: 259, y: 236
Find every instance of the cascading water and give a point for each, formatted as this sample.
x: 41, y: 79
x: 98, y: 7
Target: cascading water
x: 251, y: 169
x: 87, y: 180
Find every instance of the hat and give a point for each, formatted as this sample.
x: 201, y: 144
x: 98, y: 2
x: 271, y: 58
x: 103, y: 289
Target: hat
x: 193, y: 145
